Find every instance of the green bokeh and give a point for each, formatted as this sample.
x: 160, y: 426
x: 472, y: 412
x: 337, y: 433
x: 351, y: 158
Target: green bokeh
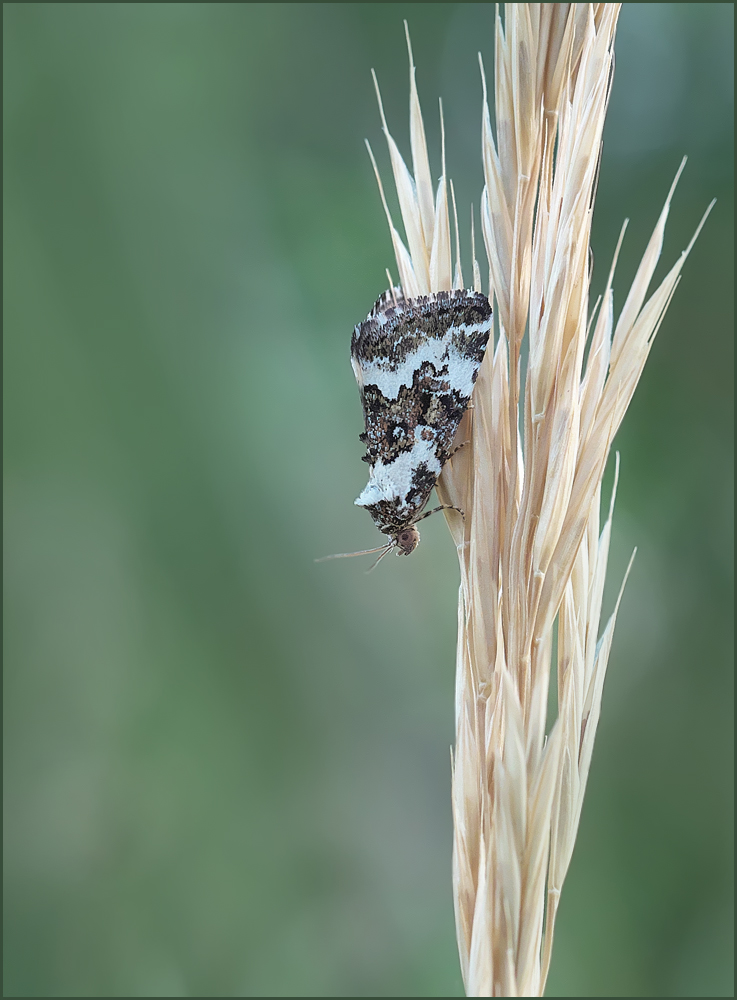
x: 226, y: 768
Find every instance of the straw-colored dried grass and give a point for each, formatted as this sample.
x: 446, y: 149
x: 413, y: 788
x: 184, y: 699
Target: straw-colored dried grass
x: 531, y: 549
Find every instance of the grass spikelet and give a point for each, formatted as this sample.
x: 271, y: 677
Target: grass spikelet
x: 531, y: 550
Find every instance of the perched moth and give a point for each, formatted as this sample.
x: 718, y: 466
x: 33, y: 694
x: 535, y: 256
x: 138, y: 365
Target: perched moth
x: 416, y: 362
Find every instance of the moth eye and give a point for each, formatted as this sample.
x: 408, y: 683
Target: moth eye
x: 405, y: 536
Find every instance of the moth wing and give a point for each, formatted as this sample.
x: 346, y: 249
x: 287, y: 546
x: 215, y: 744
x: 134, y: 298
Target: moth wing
x: 416, y: 362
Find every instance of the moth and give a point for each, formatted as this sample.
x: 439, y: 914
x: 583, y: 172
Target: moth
x: 416, y: 362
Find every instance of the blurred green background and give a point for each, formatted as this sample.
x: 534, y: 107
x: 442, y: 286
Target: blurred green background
x: 226, y: 768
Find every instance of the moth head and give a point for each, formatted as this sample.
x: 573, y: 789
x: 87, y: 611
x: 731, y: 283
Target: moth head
x: 407, y: 540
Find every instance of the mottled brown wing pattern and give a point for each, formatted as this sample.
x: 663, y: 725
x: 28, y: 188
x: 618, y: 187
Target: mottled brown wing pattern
x: 416, y: 363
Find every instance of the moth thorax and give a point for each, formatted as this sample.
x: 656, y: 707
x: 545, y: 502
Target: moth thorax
x: 407, y: 540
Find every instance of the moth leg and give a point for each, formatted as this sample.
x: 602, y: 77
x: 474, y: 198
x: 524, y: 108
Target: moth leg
x: 458, y: 448
x: 443, y: 506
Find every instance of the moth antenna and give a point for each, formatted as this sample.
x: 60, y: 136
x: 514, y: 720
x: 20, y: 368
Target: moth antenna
x: 391, y: 287
x: 387, y: 549
x: 364, y: 552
